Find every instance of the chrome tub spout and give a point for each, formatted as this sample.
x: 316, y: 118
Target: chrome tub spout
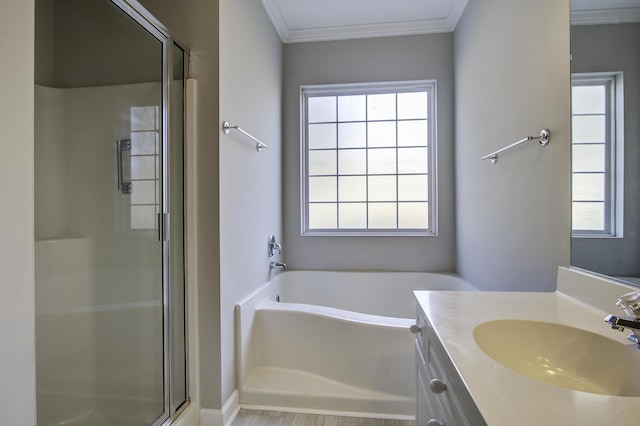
x: 278, y: 265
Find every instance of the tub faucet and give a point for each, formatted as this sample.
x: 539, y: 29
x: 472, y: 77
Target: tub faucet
x: 278, y: 265
x: 618, y: 323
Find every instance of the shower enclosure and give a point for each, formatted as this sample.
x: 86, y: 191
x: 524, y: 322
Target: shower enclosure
x: 109, y: 209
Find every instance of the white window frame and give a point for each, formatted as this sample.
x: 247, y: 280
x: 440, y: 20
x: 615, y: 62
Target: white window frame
x: 370, y: 89
x: 614, y: 152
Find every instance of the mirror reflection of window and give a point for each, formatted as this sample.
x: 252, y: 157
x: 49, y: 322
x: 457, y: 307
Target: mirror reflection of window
x: 604, y: 40
x: 596, y: 128
x: 145, y: 166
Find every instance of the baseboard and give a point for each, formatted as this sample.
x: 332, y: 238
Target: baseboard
x: 223, y: 417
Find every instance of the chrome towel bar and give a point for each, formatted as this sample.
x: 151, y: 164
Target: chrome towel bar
x: 259, y: 144
x: 543, y: 138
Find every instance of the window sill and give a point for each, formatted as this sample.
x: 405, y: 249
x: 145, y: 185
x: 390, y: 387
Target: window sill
x: 596, y: 236
x: 369, y: 233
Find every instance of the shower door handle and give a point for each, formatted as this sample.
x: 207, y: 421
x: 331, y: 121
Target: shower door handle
x: 123, y: 153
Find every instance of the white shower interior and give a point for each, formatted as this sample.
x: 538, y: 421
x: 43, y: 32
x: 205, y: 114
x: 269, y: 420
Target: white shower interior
x: 82, y: 290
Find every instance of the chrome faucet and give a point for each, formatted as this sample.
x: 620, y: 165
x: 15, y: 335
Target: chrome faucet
x: 630, y: 304
x: 278, y: 265
x: 274, y: 246
x: 618, y: 323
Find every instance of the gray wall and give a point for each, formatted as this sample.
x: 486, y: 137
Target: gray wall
x: 196, y: 23
x: 17, y: 303
x: 424, y: 57
x: 251, y: 182
x: 236, y: 56
x: 512, y: 80
x: 603, y: 48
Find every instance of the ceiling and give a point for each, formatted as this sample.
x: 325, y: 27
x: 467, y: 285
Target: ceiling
x: 316, y: 20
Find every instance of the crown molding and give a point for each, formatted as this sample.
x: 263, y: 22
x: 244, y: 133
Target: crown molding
x: 605, y: 16
x: 457, y: 10
x: 288, y: 35
x: 367, y: 31
x: 277, y: 17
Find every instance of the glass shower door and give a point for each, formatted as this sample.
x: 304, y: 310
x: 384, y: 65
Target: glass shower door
x: 105, y: 274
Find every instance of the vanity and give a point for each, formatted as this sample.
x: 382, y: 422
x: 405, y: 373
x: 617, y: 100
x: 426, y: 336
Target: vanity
x: 514, y: 358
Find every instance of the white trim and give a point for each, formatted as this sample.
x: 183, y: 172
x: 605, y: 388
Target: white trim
x: 395, y: 87
x: 614, y: 148
x: 605, y: 16
x: 368, y: 31
x: 191, y: 246
x: 223, y: 417
x: 427, y: 26
x: 277, y: 18
x: 456, y: 12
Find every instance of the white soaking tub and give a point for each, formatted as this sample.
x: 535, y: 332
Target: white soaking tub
x: 333, y: 342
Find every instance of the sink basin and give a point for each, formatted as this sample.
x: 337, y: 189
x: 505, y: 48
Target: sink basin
x: 564, y: 356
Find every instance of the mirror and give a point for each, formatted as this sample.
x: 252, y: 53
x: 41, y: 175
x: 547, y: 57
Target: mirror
x: 605, y: 67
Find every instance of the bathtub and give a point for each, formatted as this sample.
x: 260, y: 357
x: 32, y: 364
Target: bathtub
x: 333, y: 342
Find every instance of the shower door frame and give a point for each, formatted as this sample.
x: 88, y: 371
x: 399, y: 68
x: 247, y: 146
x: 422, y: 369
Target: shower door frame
x: 145, y: 19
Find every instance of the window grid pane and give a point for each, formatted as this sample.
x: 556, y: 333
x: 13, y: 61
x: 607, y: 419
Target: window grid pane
x: 373, y: 172
x: 589, y: 216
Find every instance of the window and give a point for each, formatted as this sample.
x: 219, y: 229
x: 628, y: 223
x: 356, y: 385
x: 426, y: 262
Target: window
x: 597, y: 143
x: 368, y: 159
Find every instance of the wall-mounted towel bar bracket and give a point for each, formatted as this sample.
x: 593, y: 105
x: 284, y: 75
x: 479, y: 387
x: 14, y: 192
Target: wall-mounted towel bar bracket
x: 543, y: 138
x: 259, y: 144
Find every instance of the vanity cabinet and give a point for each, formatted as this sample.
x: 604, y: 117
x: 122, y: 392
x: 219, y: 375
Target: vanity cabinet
x: 442, y: 397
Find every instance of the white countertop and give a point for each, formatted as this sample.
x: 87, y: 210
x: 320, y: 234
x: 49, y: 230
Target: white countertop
x: 505, y: 397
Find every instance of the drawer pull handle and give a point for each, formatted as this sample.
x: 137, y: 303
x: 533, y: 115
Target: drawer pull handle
x: 415, y: 329
x: 437, y: 386
x: 434, y: 422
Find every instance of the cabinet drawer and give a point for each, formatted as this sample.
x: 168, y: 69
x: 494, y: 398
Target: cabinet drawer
x: 430, y: 406
x: 463, y: 411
